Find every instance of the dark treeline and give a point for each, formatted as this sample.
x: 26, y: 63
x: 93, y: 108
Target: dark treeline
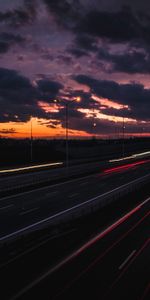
x: 18, y: 151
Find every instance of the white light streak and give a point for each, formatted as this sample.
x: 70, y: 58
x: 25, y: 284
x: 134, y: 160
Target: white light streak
x: 130, y: 157
x: 30, y: 167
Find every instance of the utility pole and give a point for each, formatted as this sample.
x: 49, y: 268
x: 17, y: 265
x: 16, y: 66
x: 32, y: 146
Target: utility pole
x: 123, y: 131
x: 31, y: 144
x: 67, y: 148
x: 67, y: 103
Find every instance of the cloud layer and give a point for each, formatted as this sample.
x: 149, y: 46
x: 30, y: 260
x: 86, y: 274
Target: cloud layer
x: 65, y: 49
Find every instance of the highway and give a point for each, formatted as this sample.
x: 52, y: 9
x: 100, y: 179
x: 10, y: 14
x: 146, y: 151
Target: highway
x: 114, y: 264
x: 18, y: 179
x: 22, y: 210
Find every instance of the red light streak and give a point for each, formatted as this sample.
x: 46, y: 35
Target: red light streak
x: 125, y: 167
x: 146, y: 292
x: 103, y: 254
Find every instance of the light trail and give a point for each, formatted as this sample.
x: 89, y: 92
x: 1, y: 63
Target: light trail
x: 87, y: 245
x: 130, y: 157
x: 125, y: 167
x: 30, y: 167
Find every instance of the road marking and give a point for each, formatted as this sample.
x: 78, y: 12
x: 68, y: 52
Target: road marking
x: 126, y: 260
x: 127, y: 267
x: 28, y: 211
x: 5, y: 207
x: 73, y: 195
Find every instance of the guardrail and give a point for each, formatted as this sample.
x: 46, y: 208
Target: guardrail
x: 81, y: 209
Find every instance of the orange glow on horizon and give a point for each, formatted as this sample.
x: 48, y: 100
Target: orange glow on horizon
x: 40, y: 129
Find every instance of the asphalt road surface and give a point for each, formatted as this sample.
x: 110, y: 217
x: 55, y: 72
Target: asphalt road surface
x: 115, y: 264
x: 24, y: 209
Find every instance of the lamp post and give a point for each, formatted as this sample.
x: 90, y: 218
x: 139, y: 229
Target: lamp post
x: 123, y: 132
x: 67, y: 123
x: 31, y: 143
x: 67, y: 103
x: 93, y: 124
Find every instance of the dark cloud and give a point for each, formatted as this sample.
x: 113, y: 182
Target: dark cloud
x: 77, y: 52
x: 86, y: 100
x: 86, y: 124
x: 7, y: 40
x: 86, y: 25
x: 65, y: 12
x: 128, y: 24
x: 79, y: 121
x: 20, y: 16
x: 19, y: 98
x: 8, y: 131
x: 124, y: 25
x: 53, y: 123
x: 48, y: 90
x: 134, y: 61
x: 64, y: 59
x: 83, y: 45
x: 11, y: 80
x: 86, y: 42
x: 121, y: 26
x: 114, y: 5
x: 133, y: 94
x: 73, y: 113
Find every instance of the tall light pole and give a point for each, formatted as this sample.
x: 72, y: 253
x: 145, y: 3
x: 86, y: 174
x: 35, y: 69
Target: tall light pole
x: 31, y: 143
x: 67, y: 123
x: 123, y: 134
x: 93, y: 123
x: 67, y: 103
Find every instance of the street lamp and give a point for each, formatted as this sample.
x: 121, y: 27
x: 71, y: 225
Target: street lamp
x: 93, y: 123
x: 67, y: 103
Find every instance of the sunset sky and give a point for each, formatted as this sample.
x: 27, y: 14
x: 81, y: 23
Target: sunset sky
x: 95, y: 50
